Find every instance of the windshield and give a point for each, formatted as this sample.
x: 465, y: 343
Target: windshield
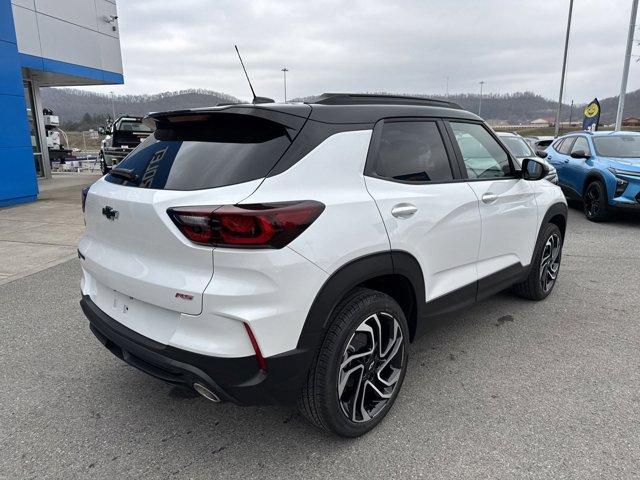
x: 518, y: 147
x: 623, y: 146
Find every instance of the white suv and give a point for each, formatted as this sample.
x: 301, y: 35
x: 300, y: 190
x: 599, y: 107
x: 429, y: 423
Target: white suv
x: 291, y: 252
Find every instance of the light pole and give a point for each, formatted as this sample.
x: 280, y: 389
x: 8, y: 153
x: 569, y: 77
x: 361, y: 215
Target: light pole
x: 564, y: 69
x: 113, y: 106
x: 625, y: 69
x: 571, y: 115
x: 284, y: 73
x: 480, y: 104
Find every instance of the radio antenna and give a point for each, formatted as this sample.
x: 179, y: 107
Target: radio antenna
x: 256, y: 99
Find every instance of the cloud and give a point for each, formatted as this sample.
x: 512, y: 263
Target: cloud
x: 403, y: 46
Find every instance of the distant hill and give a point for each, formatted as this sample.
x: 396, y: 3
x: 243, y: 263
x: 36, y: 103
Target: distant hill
x: 71, y: 105
x: 80, y: 110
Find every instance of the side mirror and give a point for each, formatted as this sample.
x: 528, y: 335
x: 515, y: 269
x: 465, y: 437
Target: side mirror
x: 101, y: 130
x: 579, y: 154
x: 541, y: 153
x: 533, y: 169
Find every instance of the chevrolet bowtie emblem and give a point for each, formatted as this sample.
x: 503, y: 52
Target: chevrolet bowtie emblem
x: 110, y: 213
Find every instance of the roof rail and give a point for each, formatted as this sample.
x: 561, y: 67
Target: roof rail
x: 375, y: 99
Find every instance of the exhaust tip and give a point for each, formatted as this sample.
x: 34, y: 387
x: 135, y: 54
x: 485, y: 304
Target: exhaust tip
x: 206, y: 393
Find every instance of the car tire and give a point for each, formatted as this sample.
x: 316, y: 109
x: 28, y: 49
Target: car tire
x: 353, y: 355
x: 595, y: 202
x: 103, y: 166
x: 545, y: 265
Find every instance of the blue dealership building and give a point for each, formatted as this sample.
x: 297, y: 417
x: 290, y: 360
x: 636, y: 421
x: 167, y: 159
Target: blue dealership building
x: 47, y: 43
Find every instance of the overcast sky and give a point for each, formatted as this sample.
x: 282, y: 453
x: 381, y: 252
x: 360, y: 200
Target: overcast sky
x: 394, y: 46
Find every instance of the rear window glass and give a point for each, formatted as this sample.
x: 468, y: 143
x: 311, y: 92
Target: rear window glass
x: 565, y: 148
x: 133, y: 126
x: 204, y: 152
x: 412, y: 152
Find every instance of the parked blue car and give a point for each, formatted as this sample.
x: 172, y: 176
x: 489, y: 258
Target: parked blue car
x: 602, y: 169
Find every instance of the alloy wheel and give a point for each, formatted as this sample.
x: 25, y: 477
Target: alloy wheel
x: 550, y: 263
x: 371, y: 366
x: 592, y: 201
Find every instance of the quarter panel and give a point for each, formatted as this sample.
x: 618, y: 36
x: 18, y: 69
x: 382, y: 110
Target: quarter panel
x: 350, y: 226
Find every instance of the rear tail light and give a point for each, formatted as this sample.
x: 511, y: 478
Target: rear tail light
x: 265, y: 225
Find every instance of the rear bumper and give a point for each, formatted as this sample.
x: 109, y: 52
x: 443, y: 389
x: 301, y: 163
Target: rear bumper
x: 237, y: 380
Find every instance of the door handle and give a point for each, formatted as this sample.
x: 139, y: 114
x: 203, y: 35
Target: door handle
x: 403, y: 210
x: 489, y: 197
x: 566, y: 160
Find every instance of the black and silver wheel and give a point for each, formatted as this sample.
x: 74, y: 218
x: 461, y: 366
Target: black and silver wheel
x: 550, y: 262
x: 545, y: 265
x: 596, y: 207
x: 360, y: 367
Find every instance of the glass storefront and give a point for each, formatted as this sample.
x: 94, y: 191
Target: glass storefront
x: 33, y: 128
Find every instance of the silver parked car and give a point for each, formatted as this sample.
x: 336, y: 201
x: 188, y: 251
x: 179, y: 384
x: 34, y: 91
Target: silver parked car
x: 521, y: 149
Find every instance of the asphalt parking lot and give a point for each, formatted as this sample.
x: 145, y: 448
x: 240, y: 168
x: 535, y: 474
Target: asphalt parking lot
x: 508, y: 389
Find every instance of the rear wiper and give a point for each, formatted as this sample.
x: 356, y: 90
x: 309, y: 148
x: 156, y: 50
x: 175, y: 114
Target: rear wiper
x: 126, y: 173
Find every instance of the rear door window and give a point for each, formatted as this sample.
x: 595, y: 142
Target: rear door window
x: 565, y: 148
x: 412, y: 151
x: 205, y: 151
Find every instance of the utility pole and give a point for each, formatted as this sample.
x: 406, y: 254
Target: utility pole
x: 564, y: 69
x: 284, y: 72
x: 625, y: 68
x: 447, y: 89
x: 480, y: 104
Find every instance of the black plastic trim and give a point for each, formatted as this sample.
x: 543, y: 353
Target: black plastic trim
x: 557, y: 209
x: 501, y: 280
x: 342, y: 281
x: 237, y: 380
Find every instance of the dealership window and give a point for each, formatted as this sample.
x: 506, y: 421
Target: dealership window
x: 32, y: 118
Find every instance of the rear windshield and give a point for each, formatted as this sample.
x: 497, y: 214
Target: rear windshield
x: 518, y: 147
x: 207, y: 151
x: 622, y: 146
x: 133, y: 126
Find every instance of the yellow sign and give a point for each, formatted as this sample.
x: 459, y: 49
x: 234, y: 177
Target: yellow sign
x: 591, y: 110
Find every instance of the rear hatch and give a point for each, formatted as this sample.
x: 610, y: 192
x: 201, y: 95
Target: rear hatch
x: 132, y: 249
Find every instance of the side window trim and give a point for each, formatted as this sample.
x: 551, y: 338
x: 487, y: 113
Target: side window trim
x: 460, y: 160
x: 375, y: 142
x: 557, y: 144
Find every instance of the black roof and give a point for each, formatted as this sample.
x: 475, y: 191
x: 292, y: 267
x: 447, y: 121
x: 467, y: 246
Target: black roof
x: 343, y: 108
